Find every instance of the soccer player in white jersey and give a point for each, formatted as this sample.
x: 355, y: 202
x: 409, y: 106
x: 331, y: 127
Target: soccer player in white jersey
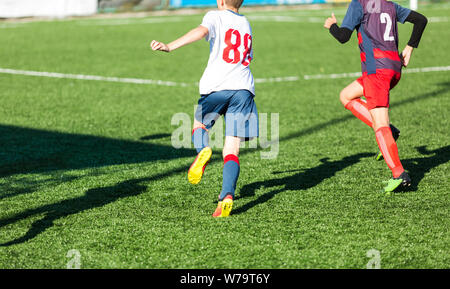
x: 226, y: 88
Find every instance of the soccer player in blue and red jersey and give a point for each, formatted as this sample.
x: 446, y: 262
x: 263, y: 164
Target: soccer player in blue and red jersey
x: 376, y: 24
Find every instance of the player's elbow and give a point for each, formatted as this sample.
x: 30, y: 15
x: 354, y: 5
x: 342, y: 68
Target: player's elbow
x: 202, y: 31
x: 422, y: 20
x: 342, y: 35
x: 417, y: 19
x: 343, y: 40
x: 425, y: 21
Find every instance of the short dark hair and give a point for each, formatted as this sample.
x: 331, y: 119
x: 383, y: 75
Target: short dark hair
x: 234, y: 3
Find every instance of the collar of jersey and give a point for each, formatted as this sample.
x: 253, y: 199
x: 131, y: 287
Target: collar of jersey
x: 235, y: 12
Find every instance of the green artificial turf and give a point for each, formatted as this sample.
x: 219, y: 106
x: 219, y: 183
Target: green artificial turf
x: 89, y: 165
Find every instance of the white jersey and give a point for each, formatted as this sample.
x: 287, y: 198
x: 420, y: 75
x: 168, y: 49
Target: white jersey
x: 230, y: 45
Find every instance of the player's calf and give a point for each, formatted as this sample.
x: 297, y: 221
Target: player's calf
x: 230, y: 174
x: 197, y: 168
x: 200, y: 136
x: 395, y: 135
x: 200, y: 139
x: 388, y: 148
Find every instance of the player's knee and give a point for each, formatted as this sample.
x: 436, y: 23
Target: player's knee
x: 230, y: 149
x: 378, y: 125
x: 231, y: 146
x: 198, y: 124
x: 344, y: 98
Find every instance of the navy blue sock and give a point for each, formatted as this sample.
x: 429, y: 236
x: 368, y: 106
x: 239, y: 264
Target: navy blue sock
x: 231, y: 171
x: 200, y: 138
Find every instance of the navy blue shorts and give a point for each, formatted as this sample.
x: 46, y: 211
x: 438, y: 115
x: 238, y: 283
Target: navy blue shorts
x: 238, y: 107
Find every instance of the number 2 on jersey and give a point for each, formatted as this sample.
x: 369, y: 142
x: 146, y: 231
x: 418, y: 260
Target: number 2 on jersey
x: 385, y: 18
x: 235, y: 48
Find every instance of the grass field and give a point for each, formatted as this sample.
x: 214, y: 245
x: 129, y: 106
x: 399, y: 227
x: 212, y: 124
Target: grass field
x: 89, y: 165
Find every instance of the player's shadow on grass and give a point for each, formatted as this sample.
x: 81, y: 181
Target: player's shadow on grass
x: 26, y: 150
x: 156, y: 136
x: 445, y: 87
x: 305, y: 179
x: 93, y: 198
x: 302, y: 180
x: 418, y: 167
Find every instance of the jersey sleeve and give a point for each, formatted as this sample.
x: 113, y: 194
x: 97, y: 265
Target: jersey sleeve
x: 402, y: 13
x: 209, y: 21
x: 354, y: 15
x: 251, y: 52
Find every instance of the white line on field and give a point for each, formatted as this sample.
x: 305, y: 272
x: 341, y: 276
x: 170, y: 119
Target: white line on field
x: 91, y: 77
x: 314, y: 19
x: 277, y: 79
x: 10, y: 25
x: 185, y: 84
x: 254, y: 18
x: 167, y: 19
x: 277, y: 18
x: 125, y: 80
x: 129, y: 21
x: 357, y: 74
x: 438, y: 19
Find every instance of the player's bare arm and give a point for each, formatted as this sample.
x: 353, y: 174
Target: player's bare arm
x: 420, y: 22
x: 341, y: 34
x: 192, y: 36
x: 406, y: 55
x: 330, y: 21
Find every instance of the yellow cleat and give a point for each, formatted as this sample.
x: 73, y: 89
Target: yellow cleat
x: 224, y: 207
x: 197, y: 168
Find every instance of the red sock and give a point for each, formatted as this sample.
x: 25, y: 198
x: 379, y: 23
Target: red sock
x: 388, y: 148
x: 359, y: 109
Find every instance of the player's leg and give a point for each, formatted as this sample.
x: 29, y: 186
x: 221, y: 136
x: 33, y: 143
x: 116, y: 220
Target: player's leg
x: 200, y: 139
x: 395, y: 135
x: 200, y: 136
x: 393, y: 81
x: 241, y: 120
x: 209, y: 109
x: 350, y: 98
x: 230, y: 174
x: 388, y: 148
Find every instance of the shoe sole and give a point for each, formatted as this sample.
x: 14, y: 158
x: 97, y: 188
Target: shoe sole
x: 392, y: 188
x: 197, y: 168
x: 227, y: 205
x: 399, y: 183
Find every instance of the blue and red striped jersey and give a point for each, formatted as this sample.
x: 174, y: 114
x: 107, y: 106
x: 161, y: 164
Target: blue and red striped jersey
x: 376, y: 24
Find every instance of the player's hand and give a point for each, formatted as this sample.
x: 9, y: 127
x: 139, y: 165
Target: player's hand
x: 330, y: 21
x: 406, y: 55
x: 155, y: 45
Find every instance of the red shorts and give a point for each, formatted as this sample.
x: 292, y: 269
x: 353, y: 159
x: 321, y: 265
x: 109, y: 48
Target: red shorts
x: 377, y: 86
